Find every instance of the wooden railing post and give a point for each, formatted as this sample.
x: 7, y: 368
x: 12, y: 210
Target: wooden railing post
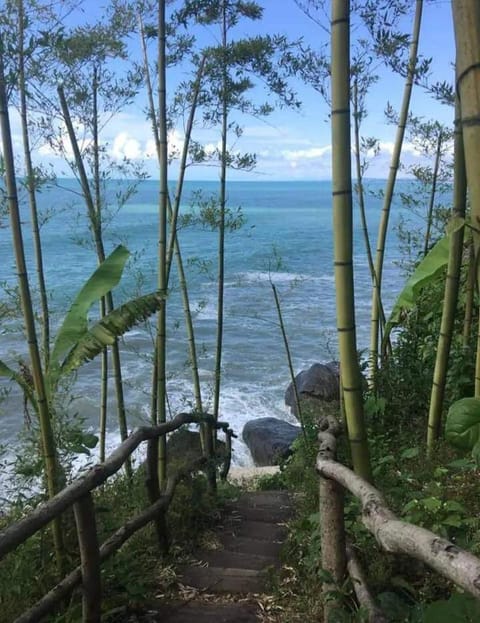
x: 210, y: 438
x: 86, y: 523
x: 153, y: 490
x: 228, y: 454
x: 332, y: 526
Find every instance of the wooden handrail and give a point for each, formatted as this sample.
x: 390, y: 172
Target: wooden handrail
x: 64, y: 588
x: 79, y: 495
x: 12, y: 536
x: 392, y: 534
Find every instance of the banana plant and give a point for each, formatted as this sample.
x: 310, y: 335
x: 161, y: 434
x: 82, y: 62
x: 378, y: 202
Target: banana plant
x: 76, y: 342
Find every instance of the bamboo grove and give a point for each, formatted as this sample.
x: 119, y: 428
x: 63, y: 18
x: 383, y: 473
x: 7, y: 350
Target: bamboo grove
x: 67, y: 82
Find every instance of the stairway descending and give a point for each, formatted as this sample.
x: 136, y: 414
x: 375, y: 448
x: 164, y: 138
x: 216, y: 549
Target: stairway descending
x: 250, y: 538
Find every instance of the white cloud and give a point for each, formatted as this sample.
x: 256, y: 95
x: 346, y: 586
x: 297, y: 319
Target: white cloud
x: 306, y: 154
x: 125, y: 146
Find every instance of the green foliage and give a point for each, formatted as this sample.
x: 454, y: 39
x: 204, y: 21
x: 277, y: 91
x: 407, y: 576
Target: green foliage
x: 112, y: 326
x: 462, y: 427
x: 405, y: 379
x: 424, y: 274
x: 459, y: 608
x: 75, y: 323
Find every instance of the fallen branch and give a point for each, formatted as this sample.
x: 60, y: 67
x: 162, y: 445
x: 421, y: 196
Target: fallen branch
x: 364, y: 597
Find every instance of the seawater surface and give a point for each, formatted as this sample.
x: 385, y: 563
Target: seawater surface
x: 286, y: 240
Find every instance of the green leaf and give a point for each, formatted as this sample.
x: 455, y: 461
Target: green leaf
x: 410, y: 453
x: 89, y: 440
x: 453, y: 520
x: 453, y: 505
x: 114, y: 325
x: 424, y: 274
x: 462, y: 428
x: 432, y: 504
x: 461, y: 464
x: 27, y: 389
x: 75, y: 323
x: 458, y: 609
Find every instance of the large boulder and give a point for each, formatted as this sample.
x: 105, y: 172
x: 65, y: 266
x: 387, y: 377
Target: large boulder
x: 269, y: 440
x: 316, y: 386
x: 184, y: 447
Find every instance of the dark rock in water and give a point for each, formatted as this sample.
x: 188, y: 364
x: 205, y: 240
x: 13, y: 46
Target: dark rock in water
x: 269, y: 440
x: 320, y: 382
x: 184, y: 447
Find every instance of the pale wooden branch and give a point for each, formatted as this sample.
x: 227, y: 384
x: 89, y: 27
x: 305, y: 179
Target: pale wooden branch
x: 398, y: 536
x: 18, y: 532
x: 364, y: 597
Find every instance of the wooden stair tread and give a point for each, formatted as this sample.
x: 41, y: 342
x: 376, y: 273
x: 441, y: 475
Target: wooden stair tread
x: 202, y: 612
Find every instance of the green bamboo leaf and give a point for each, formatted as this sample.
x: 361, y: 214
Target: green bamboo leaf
x: 75, y: 323
x: 424, y: 274
x: 114, y: 325
x: 462, y: 427
x: 27, y: 389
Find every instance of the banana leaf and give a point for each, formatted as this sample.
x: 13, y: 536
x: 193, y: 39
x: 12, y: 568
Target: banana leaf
x: 425, y: 273
x: 75, y: 323
x: 112, y: 326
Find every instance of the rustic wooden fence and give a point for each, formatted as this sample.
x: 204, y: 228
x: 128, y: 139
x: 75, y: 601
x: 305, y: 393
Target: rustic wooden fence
x: 392, y: 534
x: 79, y: 496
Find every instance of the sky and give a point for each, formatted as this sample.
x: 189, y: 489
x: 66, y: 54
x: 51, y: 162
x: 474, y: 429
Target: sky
x: 289, y: 145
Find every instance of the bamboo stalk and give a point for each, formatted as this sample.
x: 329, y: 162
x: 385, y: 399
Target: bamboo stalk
x: 361, y: 194
x: 450, y: 298
x: 30, y: 181
x: 161, y: 337
x: 174, y: 245
x: 343, y: 237
x: 431, y: 203
x: 85, y: 520
x: 94, y: 218
x: 221, y: 225
x: 289, y: 359
x: 469, y: 298
x: 49, y: 450
x: 388, y: 197
x: 466, y: 19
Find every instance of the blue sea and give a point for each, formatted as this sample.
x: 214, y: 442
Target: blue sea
x: 286, y: 239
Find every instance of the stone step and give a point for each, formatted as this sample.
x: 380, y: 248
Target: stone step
x: 259, y: 530
x: 249, y: 545
x: 224, y: 580
x: 202, y: 612
x: 238, y: 560
x: 274, y: 499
